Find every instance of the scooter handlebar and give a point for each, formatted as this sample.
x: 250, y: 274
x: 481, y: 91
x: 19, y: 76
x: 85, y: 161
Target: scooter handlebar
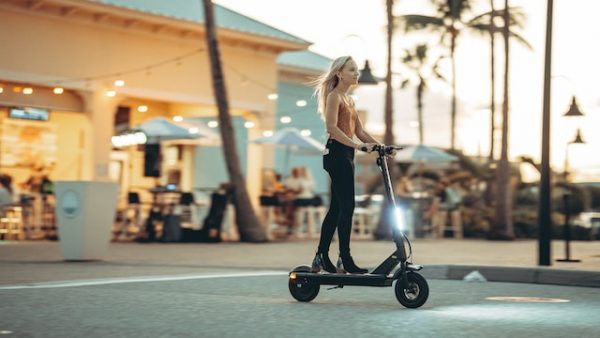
x: 386, y: 150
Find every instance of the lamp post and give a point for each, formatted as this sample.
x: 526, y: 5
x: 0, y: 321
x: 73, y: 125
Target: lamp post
x: 544, y: 219
x: 577, y: 140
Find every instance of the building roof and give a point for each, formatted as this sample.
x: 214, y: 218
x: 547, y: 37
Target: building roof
x: 304, y: 59
x: 192, y: 11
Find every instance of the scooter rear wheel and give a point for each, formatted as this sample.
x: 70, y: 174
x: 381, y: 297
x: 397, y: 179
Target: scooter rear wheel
x: 303, y: 292
x: 416, y: 293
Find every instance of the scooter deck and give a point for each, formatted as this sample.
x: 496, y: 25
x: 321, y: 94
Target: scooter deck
x: 342, y: 279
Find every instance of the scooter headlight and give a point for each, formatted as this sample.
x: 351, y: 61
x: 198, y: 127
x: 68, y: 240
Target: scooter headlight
x: 399, y: 218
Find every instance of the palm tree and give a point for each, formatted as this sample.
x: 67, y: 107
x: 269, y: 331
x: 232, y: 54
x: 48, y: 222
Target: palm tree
x: 449, y: 21
x: 416, y: 61
x: 248, y: 224
x: 388, y: 137
x: 502, y: 226
x: 492, y: 32
x: 383, y: 230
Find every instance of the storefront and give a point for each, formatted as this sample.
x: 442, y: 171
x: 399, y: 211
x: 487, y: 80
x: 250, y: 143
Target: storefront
x: 87, y: 68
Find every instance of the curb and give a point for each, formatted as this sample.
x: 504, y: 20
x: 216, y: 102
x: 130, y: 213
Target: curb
x: 516, y: 274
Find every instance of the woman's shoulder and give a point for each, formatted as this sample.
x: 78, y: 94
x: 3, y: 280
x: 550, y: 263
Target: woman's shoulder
x: 334, y: 97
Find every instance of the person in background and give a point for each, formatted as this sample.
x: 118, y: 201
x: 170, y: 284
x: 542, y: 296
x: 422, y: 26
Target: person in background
x: 6, y: 190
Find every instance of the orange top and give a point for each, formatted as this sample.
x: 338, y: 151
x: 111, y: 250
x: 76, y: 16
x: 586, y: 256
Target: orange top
x: 347, y: 119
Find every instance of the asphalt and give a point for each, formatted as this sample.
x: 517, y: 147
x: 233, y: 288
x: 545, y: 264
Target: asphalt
x: 31, y: 262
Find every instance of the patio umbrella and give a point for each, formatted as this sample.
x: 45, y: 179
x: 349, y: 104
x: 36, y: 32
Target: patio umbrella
x: 423, y: 154
x: 161, y: 129
x: 292, y: 140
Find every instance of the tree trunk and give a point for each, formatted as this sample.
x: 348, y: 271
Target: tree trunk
x: 502, y: 227
x: 489, y: 191
x: 493, y: 82
x: 383, y: 230
x: 453, y: 112
x: 420, y: 90
x: 248, y: 224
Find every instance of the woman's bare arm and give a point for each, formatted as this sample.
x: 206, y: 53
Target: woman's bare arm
x: 362, y: 134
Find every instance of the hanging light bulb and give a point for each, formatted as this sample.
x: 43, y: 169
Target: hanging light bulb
x: 267, y: 133
x: 305, y: 132
x: 249, y: 124
x: 119, y: 83
x: 272, y: 96
x: 213, y: 124
x: 142, y: 108
x: 58, y: 90
x: 27, y: 90
x: 285, y: 119
x: 301, y: 103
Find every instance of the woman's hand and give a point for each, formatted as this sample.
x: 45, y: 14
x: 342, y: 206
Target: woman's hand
x: 366, y: 147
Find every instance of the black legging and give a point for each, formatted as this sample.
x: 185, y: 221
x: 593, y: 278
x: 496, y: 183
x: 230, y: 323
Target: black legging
x: 339, y: 163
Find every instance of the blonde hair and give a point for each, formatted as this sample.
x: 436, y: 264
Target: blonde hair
x: 325, y: 83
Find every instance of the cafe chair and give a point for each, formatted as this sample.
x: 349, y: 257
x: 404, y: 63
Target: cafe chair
x: 11, y: 222
x: 187, y: 209
x: 132, y: 217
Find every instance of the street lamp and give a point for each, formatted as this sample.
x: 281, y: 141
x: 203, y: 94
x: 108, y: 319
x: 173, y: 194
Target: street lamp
x: 574, y: 108
x: 366, y: 77
x: 578, y: 140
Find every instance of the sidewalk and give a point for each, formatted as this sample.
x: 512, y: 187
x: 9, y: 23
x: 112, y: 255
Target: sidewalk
x: 34, y: 262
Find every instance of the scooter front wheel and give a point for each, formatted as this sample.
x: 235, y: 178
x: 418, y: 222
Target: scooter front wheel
x: 416, y: 292
x: 301, y: 291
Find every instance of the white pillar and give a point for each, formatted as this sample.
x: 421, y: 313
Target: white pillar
x: 100, y: 109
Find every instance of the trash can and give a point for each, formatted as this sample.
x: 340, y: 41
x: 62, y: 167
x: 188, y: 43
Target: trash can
x: 85, y: 212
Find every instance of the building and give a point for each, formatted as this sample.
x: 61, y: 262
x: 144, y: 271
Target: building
x: 64, y: 61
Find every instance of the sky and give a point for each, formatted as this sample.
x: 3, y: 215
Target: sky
x: 357, y: 28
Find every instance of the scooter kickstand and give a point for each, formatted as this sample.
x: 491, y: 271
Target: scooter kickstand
x: 336, y: 287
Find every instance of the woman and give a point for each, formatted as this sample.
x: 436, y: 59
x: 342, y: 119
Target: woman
x: 342, y: 122
x: 6, y: 190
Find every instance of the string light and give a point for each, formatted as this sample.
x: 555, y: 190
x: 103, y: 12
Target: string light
x: 1, y: 90
x: 213, y: 124
x: 119, y: 83
x: 193, y: 130
x: 58, y: 90
x: 111, y: 93
x: 305, y: 132
x: 177, y: 118
x: 267, y: 133
x: 272, y: 97
x: 285, y: 119
x: 301, y: 103
x: 27, y: 90
x: 249, y: 124
x: 142, y: 108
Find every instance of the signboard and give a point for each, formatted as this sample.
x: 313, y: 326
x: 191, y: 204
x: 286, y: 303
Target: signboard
x: 29, y: 113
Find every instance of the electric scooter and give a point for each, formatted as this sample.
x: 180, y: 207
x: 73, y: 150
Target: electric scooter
x: 411, y: 288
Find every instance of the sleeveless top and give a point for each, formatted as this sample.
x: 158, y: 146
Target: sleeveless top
x: 347, y: 119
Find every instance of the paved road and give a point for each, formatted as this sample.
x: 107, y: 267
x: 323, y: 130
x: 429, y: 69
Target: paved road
x: 234, y: 303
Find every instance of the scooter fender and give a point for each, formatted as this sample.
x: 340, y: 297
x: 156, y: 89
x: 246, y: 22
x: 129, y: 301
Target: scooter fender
x: 400, y: 275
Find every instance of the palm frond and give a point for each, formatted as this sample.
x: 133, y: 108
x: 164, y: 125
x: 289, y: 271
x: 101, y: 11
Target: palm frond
x: 413, y: 22
x: 485, y: 28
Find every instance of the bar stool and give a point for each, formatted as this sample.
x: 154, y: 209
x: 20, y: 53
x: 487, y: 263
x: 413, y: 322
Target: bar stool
x: 268, y: 208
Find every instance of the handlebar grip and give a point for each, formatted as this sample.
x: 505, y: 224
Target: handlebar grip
x: 364, y: 148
